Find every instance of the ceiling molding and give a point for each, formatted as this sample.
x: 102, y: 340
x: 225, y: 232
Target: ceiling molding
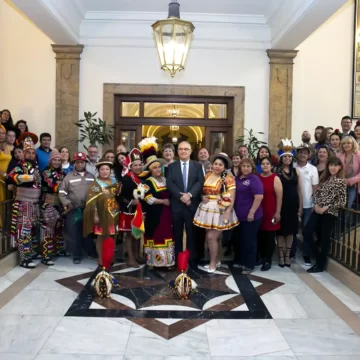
x: 194, y: 17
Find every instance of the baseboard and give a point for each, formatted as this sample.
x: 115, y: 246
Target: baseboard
x: 9, y: 262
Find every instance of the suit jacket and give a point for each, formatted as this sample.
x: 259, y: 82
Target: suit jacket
x: 175, y: 185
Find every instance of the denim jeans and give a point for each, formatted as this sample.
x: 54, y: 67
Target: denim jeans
x: 304, y: 220
x: 245, y: 243
x: 351, y: 195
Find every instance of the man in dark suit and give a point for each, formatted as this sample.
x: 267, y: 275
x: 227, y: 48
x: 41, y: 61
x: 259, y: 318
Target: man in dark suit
x: 184, y: 181
x: 346, y: 124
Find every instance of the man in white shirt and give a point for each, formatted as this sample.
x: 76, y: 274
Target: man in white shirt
x: 309, y: 183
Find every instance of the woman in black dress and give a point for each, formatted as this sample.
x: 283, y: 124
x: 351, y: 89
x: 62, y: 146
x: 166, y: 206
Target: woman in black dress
x: 291, y: 209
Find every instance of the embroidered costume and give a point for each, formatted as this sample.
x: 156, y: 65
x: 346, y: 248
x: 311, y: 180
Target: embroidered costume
x: 210, y: 215
x: 102, y: 211
x: 159, y: 246
x: 130, y: 182
x: 52, y: 224
x: 25, y: 176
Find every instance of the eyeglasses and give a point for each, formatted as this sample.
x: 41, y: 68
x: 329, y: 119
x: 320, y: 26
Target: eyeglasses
x: 183, y: 149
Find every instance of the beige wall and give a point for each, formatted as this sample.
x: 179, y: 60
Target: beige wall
x: 27, y: 71
x: 323, y: 75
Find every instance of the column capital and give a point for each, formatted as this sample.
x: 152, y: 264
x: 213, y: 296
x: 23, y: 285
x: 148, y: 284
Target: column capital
x: 281, y: 56
x: 67, y: 51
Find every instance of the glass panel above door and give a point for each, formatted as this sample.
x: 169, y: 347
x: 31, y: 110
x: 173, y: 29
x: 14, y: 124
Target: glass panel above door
x: 217, y: 111
x: 174, y: 110
x: 130, y: 109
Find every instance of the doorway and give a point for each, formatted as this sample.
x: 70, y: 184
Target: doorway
x: 203, y: 121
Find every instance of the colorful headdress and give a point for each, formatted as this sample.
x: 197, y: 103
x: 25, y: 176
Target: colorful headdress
x: 28, y: 140
x: 183, y: 286
x: 104, y: 281
x: 286, y: 146
x: 134, y: 155
x: 149, y: 149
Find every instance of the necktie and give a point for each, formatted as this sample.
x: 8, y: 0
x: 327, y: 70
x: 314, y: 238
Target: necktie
x: 184, y: 176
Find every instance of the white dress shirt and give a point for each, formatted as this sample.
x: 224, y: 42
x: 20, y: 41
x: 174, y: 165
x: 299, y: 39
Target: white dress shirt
x: 309, y: 178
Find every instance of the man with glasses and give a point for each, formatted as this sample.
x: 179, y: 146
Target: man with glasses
x: 346, y: 123
x: 184, y: 181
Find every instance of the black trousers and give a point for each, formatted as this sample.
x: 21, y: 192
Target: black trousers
x: 325, y: 224
x: 266, y: 243
x: 184, y: 217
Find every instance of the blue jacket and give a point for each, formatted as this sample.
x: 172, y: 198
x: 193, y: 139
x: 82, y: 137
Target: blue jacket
x: 42, y: 158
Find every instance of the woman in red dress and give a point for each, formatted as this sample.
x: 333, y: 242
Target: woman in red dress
x: 271, y: 205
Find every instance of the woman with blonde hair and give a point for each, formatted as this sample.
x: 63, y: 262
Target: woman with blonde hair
x: 350, y: 158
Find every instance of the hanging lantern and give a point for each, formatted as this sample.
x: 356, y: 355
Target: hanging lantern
x: 173, y: 37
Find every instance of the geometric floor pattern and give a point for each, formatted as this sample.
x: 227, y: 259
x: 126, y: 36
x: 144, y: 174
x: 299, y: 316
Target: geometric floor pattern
x: 145, y: 299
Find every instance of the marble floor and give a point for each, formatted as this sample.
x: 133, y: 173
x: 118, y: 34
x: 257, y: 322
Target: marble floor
x: 53, y: 314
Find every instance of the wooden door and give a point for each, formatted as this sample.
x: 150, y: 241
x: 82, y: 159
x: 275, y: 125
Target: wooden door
x: 127, y: 134
x: 217, y: 140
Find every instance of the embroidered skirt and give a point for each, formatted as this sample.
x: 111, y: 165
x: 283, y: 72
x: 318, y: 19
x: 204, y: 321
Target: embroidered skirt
x: 208, y: 216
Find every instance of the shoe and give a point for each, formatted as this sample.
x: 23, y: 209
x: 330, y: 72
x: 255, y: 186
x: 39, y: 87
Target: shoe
x: 218, y: 264
x: 238, y: 266
x: 259, y: 262
x: 247, y: 271
x: 266, y: 266
x: 27, y: 264
x: 77, y: 261
x: 307, y: 260
x: 36, y: 257
x: 47, y: 262
x: 292, y: 257
x: 210, y: 271
x: 315, y: 269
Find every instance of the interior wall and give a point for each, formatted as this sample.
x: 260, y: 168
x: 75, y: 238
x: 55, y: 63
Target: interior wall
x: 323, y: 75
x: 27, y: 71
x: 101, y: 65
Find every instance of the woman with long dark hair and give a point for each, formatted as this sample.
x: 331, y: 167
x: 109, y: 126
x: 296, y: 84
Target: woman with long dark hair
x: 323, y: 153
x: 291, y: 208
x: 329, y: 197
x: 215, y: 213
x: 6, y: 119
x: 22, y: 126
x: 335, y: 140
x: 271, y: 205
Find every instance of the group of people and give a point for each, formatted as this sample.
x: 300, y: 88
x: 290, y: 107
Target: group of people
x: 252, y: 203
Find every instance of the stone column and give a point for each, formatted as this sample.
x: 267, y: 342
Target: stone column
x: 280, y: 96
x: 67, y: 94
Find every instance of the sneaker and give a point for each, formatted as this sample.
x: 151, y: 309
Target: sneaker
x: 307, y: 260
x: 266, y: 267
x: 292, y: 257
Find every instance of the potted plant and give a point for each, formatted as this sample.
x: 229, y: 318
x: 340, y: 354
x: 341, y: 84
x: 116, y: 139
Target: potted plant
x: 251, y: 141
x: 95, y: 131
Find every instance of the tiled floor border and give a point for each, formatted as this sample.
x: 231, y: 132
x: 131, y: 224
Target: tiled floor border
x: 348, y: 316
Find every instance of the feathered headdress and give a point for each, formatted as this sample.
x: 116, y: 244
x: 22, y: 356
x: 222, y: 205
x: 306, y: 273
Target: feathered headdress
x: 149, y: 149
x: 286, y: 146
x: 183, y: 286
x: 104, y: 281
